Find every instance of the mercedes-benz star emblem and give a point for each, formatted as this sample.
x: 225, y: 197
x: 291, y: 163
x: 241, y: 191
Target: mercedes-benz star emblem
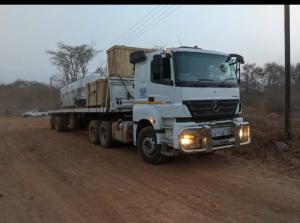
x: 215, y: 106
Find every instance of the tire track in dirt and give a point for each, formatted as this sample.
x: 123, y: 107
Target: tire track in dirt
x: 54, y: 177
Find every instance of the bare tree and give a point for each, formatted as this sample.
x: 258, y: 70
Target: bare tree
x: 72, y: 61
x: 251, y: 74
x: 295, y: 72
x: 275, y: 74
x: 58, y: 80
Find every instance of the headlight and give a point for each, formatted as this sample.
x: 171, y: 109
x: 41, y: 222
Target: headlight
x: 244, y: 133
x: 190, y: 139
x: 187, y: 139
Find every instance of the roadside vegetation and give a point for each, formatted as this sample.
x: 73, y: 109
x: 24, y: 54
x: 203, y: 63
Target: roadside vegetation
x: 22, y: 96
x: 262, y: 95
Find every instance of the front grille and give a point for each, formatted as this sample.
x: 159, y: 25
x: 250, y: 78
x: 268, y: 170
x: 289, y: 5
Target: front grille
x: 207, y: 110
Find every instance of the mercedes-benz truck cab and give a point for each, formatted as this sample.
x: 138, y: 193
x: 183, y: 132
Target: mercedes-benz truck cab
x: 190, y: 98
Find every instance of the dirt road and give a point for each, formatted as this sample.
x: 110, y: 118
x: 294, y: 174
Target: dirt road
x: 47, y: 176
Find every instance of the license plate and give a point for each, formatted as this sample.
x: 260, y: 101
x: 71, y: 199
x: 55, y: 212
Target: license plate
x: 217, y: 132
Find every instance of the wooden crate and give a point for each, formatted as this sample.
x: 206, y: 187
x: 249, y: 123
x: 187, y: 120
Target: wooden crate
x: 96, y: 93
x: 118, y: 60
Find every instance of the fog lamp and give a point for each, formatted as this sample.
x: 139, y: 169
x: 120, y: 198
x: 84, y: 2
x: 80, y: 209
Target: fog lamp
x: 244, y: 133
x: 187, y: 139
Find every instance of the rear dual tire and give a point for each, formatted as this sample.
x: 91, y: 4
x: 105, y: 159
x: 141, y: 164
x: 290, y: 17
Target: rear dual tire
x: 94, y: 131
x: 105, y: 134
x: 101, y: 132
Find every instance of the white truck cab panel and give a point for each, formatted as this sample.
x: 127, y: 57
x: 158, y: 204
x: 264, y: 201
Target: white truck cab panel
x: 174, y: 106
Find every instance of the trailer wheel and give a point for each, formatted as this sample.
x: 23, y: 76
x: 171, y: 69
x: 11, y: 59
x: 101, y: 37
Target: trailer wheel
x: 94, y: 131
x: 105, y: 134
x: 148, y: 147
x: 52, y: 122
x: 60, y: 124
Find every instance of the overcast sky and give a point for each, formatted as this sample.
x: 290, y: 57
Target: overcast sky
x: 27, y: 32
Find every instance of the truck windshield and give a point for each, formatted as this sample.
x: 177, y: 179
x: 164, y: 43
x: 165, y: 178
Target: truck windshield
x: 193, y: 69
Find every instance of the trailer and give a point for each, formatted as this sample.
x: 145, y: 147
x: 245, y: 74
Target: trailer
x: 165, y: 102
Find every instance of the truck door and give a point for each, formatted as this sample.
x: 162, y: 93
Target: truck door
x: 161, y: 87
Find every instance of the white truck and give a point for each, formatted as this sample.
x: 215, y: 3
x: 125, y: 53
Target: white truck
x: 34, y: 113
x: 182, y: 99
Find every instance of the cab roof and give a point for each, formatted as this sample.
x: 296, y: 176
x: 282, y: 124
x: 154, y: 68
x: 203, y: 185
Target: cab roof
x: 187, y: 49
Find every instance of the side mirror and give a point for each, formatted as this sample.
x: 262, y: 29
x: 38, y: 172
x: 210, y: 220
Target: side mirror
x: 157, y: 57
x: 137, y: 56
x: 237, y: 61
x: 166, y: 55
x: 238, y: 58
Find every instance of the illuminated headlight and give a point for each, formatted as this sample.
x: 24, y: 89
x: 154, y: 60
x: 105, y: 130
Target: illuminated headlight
x: 187, y: 139
x: 244, y: 133
x: 190, y: 139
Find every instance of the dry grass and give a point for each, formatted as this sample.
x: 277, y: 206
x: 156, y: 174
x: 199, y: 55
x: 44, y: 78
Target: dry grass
x: 267, y: 129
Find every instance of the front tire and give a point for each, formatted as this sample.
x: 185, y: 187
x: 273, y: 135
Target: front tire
x: 148, y: 147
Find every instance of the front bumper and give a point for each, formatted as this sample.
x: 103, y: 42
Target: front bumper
x: 213, y: 142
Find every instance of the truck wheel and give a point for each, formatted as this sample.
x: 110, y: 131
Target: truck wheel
x: 94, y: 131
x: 60, y: 124
x: 148, y: 147
x: 105, y: 134
x: 52, y: 122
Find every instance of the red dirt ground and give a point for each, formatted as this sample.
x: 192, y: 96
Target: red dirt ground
x: 47, y: 176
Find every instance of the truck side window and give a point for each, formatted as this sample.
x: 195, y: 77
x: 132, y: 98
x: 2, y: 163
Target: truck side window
x: 155, y: 70
x: 166, y: 71
x: 161, y: 71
